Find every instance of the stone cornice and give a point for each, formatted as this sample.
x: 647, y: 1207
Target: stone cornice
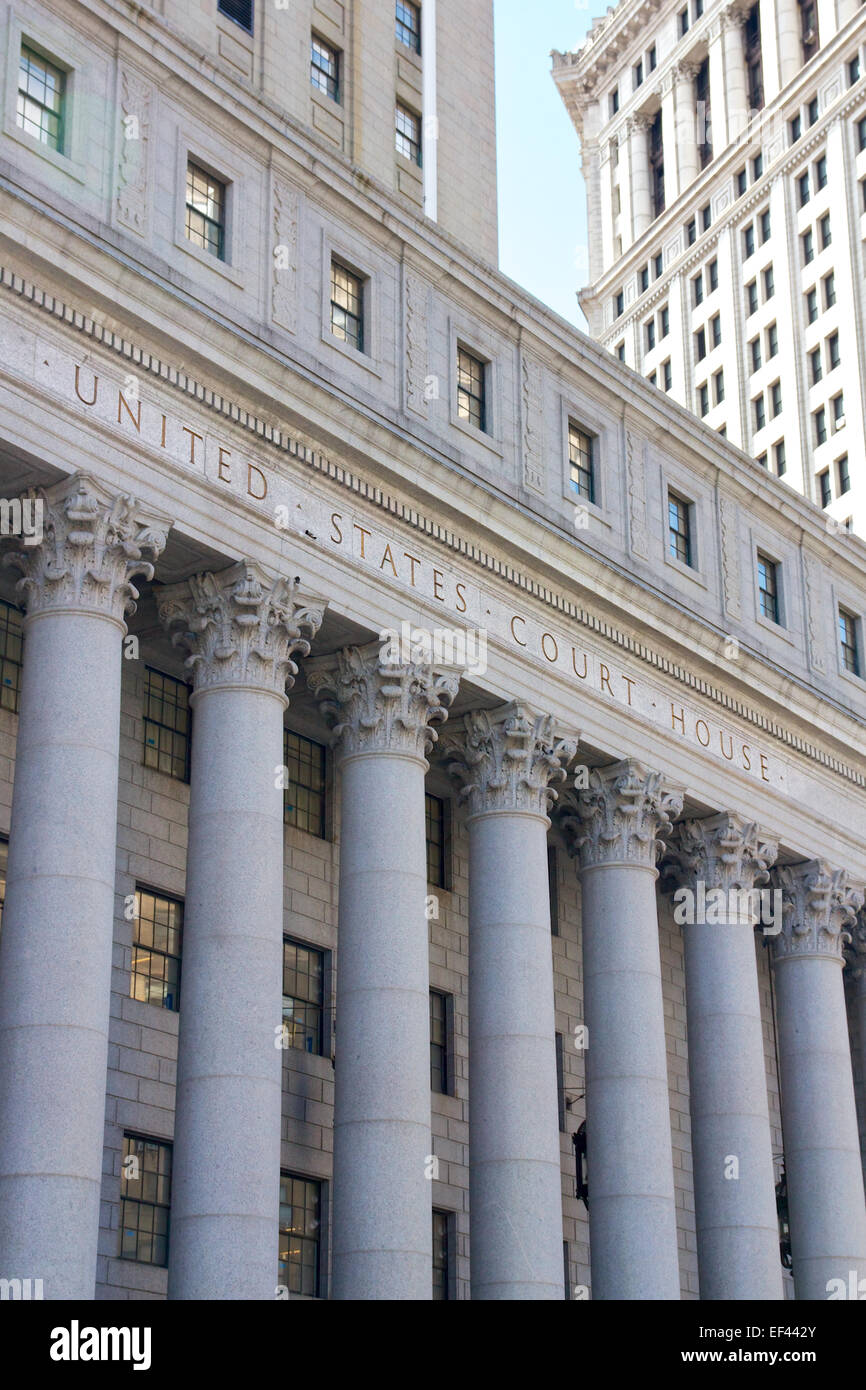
x: 319, y: 462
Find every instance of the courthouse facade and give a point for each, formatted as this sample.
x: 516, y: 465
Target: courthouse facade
x: 398, y: 699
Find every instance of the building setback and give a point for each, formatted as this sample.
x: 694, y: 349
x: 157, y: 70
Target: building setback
x: 412, y: 724
x: 724, y: 152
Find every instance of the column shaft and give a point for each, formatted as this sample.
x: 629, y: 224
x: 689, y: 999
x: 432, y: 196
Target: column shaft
x: 382, y: 1192
x: 55, y: 984
x: 226, y: 1172
x: 639, y: 170
x: 686, y: 149
x: 736, y: 107
x: 790, y: 44
x: 632, y: 1214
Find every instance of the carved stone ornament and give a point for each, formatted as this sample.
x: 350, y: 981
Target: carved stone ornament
x: 89, y: 545
x: 818, y: 905
x: 621, y: 816
x: 507, y: 759
x: 724, y: 852
x: 241, y: 627
x: 376, y: 704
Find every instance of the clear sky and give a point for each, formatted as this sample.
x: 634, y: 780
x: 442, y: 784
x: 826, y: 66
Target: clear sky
x: 542, y: 209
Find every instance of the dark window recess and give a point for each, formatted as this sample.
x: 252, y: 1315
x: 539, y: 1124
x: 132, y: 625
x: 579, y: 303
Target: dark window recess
x: 241, y: 11
x: 300, y: 1234
x: 156, y: 950
x: 166, y: 724
x: 303, y: 997
x: 304, y: 796
x: 441, y: 1255
x: 657, y: 165
x: 11, y: 649
x: 145, y: 1200
x: 553, y: 889
x: 560, y: 1082
x: 754, y: 66
x: 439, y: 1042
x: 702, y: 101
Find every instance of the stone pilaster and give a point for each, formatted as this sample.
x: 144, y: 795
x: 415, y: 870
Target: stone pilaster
x: 822, y: 1153
x: 505, y: 763
x: 242, y: 629
x: 383, y: 715
x: 77, y: 587
x: 718, y: 864
x: 615, y: 826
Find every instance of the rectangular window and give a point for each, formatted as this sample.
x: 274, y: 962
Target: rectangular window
x: 657, y: 165
x: 166, y: 724
x: 620, y: 351
x: 754, y: 64
x: 702, y: 103
x: 848, y: 642
x: 833, y: 351
x: 684, y: 22
x: 760, y: 412
x: 145, y: 1200
x: 843, y: 476
x: 772, y: 340
x: 706, y: 218
x: 409, y: 25
x: 205, y: 211
x: 838, y: 404
x: 713, y: 275
x: 812, y: 306
x: 304, y: 796
x: 716, y: 329
x: 300, y: 1234
x: 560, y: 1082
x: 614, y: 101
x: 769, y: 283
x: 41, y: 99
x: 650, y: 334
x: 652, y: 59
x: 768, y: 589
x: 751, y: 297
x: 667, y: 379
x: 698, y: 290
x: 553, y: 889
x: 861, y: 134
x: 740, y: 182
x: 779, y: 457
x: 821, y: 172
x: 679, y: 528
x: 755, y: 353
x: 854, y: 70
x: 618, y: 305
x: 820, y: 419
x: 824, y: 228
x: 471, y: 389
x: 303, y: 997
x: 347, y: 306
x: 407, y: 134
x: 700, y: 345
x: 703, y: 400
x: 803, y: 190
x: 434, y: 831
x: 325, y: 68
x: 757, y: 167
x: 719, y: 387
x: 762, y: 460
x: 796, y: 129
x: 643, y: 280
x: 441, y: 1255
x: 664, y: 321
x: 748, y: 242
x: 581, y: 461
x: 808, y: 28
x: 824, y: 488
x: 11, y: 650
x: 241, y: 11
x: 658, y: 265
x: 807, y: 241
x: 157, y: 940
x: 439, y: 1042
x: 637, y: 73
x: 829, y: 283
x: 815, y: 369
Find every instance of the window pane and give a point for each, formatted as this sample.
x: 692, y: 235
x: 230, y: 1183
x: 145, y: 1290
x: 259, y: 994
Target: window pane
x: 41, y: 98
x: 303, y: 996
x: 205, y: 211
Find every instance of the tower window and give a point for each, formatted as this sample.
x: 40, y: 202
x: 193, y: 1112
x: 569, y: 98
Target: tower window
x: 41, y: 99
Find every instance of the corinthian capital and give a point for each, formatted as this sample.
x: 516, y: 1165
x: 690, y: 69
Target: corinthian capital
x: 376, y: 704
x: 724, y: 851
x: 241, y: 627
x: 621, y: 816
x: 818, y: 905
x: 506, y: 759
x: 89, y: 544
